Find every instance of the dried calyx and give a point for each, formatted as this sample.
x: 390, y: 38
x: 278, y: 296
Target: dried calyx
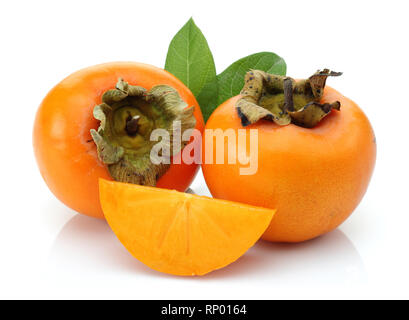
x: 284, y: 100
x: 128, y: 115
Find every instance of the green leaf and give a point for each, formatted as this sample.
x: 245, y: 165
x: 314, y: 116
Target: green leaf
x: 208, y: 98
x: 189, y: 58
x: 230, y: 82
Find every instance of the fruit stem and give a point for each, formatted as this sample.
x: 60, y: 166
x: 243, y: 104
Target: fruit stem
x: 284, y: 100
x: 288, y: 95
x: 128, y: 115
x: 132, y: 125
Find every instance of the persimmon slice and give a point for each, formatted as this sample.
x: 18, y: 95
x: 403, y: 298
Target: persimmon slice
x: 180, y: 233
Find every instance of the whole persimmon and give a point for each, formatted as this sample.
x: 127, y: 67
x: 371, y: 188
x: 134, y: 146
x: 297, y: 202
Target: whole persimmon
x: 97, y: 122
x: 316, y: 153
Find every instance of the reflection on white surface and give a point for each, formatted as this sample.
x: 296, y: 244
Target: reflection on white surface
x: 87, y: 246
x: 330, y: 259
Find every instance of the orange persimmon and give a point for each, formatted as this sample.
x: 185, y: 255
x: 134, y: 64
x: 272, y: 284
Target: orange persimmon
x: 315, y: 177
x: 180, y: 233
x: 64, y: 148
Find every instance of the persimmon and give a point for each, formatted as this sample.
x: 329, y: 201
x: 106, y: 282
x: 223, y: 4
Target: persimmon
x: 180, y: 233
x: 96, y: 124
x: 316, y: 153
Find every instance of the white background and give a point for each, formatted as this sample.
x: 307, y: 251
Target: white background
x: 48, y: 251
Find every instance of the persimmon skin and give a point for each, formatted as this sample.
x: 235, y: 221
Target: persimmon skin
x: 63, y: 147
x: 315, y: 178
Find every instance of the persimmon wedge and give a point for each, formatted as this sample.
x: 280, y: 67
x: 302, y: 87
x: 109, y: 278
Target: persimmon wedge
x: 180, y: 233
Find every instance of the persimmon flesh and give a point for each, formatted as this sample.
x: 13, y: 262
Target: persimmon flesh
x: 180, y: 233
